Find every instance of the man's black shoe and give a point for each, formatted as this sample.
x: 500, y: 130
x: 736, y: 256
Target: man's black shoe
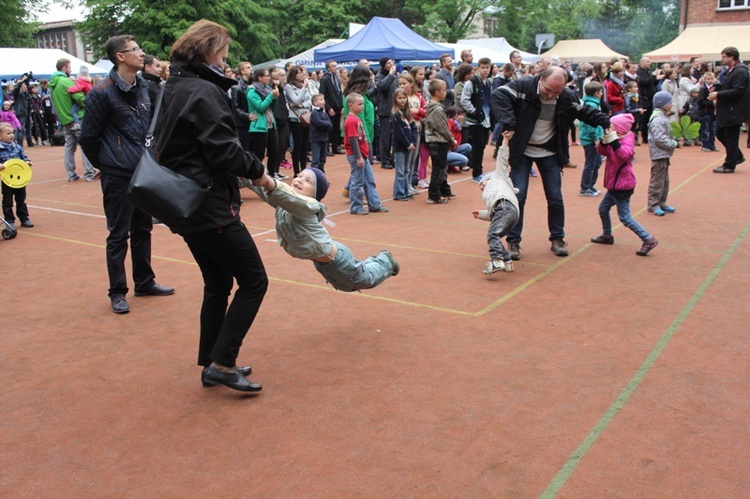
x: 329, y: 154
x: 387, y: 166
x: 155, y: 290
x: 119, y: 305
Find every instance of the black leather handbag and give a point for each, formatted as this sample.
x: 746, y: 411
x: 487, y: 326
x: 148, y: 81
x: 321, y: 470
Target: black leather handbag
x: 161, y: 192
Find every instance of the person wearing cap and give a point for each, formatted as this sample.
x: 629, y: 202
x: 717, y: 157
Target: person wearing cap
x: 299, y: 228
x: 661, y: 146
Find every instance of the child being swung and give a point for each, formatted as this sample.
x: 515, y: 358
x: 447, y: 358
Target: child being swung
x: 299, y: 228
x: 619, y: 180
x: 499, y: 195
x: 9, y: 150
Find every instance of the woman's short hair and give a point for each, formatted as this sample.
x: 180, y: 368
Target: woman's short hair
x: 201, y: 40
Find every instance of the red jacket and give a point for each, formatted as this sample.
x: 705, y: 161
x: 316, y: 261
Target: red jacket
x: 614, y: 96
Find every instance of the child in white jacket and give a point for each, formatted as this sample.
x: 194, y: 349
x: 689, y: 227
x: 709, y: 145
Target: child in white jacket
x: 502, y: 212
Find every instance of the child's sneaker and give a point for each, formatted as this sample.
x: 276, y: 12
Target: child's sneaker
x: 394, y: 264
x: 423, y: 184
x: 648, y: 245
x: 603, y: 239
x: 437, y: 201
x: 494, y: 266
x: 509, y: 266
x: 659, y: 212
x: 668, y: 209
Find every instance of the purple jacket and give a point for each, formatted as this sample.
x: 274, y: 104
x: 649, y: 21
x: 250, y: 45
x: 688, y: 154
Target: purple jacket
x: 618, y: 172
x: 10, y: 117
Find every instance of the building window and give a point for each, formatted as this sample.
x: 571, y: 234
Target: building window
x: 733, y: 4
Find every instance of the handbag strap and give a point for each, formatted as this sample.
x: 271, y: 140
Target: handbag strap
x: 150, y: 134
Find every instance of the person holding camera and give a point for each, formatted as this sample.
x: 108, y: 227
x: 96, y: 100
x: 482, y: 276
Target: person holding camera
x: 647, y: 87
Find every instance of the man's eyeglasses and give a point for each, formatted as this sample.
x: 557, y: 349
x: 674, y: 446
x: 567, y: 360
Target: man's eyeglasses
x: 133, y: 49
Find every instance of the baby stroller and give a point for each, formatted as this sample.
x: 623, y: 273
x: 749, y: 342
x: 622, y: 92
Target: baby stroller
x: 9, y: 232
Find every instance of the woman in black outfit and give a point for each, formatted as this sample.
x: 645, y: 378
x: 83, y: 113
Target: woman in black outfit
x: 197, y: 137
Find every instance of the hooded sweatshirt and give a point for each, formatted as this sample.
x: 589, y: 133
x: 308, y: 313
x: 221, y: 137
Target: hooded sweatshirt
x: 59, y: 83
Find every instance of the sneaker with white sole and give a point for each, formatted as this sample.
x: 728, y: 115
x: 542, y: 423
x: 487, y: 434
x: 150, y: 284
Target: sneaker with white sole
x: 494, y: 266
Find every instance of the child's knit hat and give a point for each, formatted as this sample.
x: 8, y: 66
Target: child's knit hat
x: 662, y: 99
x: 622, y: 123
x: 321, y: 183
x: 83, y: 71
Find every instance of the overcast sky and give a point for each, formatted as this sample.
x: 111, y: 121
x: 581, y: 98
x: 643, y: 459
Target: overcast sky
x: 58, y: 13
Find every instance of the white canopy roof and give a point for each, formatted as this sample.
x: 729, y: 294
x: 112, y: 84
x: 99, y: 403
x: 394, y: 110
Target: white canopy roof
x: 307, y: 58
x: 14, y: 62
x: 706, y: 42
x: 499, y: 44
x: 591, y: 50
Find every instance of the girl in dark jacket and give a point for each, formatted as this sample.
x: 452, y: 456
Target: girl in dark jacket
x: 197, y: 137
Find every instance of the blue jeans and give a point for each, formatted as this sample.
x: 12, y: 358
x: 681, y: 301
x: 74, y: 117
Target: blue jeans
x: 319, y: 148
x: 708, y: 131
x: 401, y: 182
x: 346, y: 273
x: 590, y: 167
x: 459, y: 156
x: 551, y: 172
x: 621, y: 199
x: 362, y: 181
x: 504, y: 218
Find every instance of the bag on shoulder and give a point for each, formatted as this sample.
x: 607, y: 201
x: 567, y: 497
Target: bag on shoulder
x: 161, y: 192
x: 304, y: 117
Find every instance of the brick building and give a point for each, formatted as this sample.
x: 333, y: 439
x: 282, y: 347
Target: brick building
x: 696, y: 13
x: 65, y: 36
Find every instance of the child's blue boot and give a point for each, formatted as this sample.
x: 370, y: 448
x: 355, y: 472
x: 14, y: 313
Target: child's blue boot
x: 668, y: 209
x: 659, y: 212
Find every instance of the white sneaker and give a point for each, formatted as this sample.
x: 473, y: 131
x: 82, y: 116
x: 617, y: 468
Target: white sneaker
x: 423, y: 184
x: 494, y: 266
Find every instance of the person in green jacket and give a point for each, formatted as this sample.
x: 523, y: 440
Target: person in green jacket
x: 260, y: 99
x: 59, y: 83
x: 589, y: 137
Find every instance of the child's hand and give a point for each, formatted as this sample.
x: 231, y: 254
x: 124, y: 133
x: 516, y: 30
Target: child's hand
x: 2, y: 166
x: 253, y: 117
x: 508, y: 134
x: 411, y: 147
x: 360, y: 162
x: 483, y: 184
x: 475, y: 213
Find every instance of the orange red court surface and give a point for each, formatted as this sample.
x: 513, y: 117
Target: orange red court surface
x: 602, y: 374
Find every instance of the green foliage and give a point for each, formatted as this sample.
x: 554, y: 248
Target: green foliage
x: 685, y: 129
x: 156, y: 24
x: 17, y: 23
x: 447, y: 20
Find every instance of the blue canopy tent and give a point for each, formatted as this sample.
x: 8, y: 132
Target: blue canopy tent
x: 383, y: 37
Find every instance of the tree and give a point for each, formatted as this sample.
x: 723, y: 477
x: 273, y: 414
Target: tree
x: 156, y: 24
x: 447, y: 20
x: 17, y: 22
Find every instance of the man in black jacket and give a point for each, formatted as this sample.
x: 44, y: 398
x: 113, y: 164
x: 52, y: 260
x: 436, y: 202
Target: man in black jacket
x: 647, y: 87
x: 732, y: 107
x: 537, y: 114
x: 330, y: 87
x: 113, y: 133
x: 238, y: 94
x: 386, y: 81
x: 152, y: 74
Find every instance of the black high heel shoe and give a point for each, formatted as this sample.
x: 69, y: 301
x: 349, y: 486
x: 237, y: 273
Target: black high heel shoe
x: 211, y: 376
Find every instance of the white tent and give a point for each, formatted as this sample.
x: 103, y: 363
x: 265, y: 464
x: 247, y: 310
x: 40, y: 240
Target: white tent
x: 498, y: 44
x: 307, y: 58
x: 705, y: 42
x: 477, y: 51
x: 588, y: 50
x: 14, y: 62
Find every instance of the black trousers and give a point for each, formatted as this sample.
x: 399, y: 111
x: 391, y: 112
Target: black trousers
x: 260, y: 143
x: 643, y: 123
x: 125, y: 221
x: 19, y: 195
x: 439, y: 186
x: 334, y: 137
x: 386, y: 155
x: 479, y: 137
x: 729, y: 136
x: 224, y: 255
x: 300, y: 136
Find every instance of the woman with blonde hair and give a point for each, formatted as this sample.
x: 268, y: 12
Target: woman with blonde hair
x: 197, y: 138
